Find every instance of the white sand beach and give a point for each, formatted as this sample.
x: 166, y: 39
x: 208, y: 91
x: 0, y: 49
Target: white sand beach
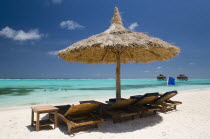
x: 190, y: 121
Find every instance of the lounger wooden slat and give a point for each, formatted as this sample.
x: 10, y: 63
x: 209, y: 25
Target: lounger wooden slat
x: 120, y: 110
x: 165, y: 102
x: 143, y: 103
x: 79, y: 117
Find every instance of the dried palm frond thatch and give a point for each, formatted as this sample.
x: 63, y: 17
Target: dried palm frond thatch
x: 119, y: 45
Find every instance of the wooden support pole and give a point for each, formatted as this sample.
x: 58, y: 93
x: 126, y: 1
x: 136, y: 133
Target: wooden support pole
x: 118, y: 86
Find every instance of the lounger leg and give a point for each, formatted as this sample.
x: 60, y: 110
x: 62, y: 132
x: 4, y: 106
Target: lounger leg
x: 141, y: 115
x: 101, y: 111
x: 114, y: 121
x: 155, y: 112
x: 175, y: 107
x: 133, y: 117
x: 32, y: 118
x: 164, y: 108
x: 49, y: 116
x: 69, y: 129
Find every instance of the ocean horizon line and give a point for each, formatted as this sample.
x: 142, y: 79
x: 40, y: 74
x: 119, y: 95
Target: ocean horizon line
x: 76, y: 79
x: 87, y: 78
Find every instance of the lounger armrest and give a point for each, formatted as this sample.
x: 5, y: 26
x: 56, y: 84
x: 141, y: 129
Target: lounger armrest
x: 173, y: 102
x: 65, y: 120
x: 160, y: 103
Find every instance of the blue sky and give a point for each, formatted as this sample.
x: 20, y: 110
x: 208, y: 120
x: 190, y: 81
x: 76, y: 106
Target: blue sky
x: 32, y: 31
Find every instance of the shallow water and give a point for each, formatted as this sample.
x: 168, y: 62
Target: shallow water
x: 29, y: 92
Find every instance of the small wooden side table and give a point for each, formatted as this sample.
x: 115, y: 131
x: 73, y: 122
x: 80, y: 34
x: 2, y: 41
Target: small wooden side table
x: 40, y: 110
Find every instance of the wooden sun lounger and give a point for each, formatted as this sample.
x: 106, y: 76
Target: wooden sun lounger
x: 119, y: 111
x: 165, y: 102
x: 143, y: 103
x: 80, y: 117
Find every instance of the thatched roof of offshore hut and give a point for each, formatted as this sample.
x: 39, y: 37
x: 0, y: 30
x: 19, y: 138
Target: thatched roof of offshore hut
x: 161, y: 75
x: 132, y: 46
x: 182, y: 76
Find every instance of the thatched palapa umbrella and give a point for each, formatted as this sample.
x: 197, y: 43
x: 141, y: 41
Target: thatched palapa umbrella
x: 119, y: 45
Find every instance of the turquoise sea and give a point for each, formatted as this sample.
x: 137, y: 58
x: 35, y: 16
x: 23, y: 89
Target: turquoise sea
x: 30, y: 92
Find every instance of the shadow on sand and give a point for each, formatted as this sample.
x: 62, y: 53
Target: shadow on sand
x: 108, y: 127
x: 33, y: 128
x: 123, y: 127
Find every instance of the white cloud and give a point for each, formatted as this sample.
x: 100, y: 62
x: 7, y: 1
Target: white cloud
x: 53, y: 53
x: 191, y: 63
x: 133, y: 26
x: 20, y: 35
x: 146, y: 71
x: 57, y: 1
x: 70, y: 25
x: 159, y: 67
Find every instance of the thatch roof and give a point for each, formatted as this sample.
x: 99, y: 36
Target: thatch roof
x: 132, y: 46
x: 182, y: 75
x: 161, y: 75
